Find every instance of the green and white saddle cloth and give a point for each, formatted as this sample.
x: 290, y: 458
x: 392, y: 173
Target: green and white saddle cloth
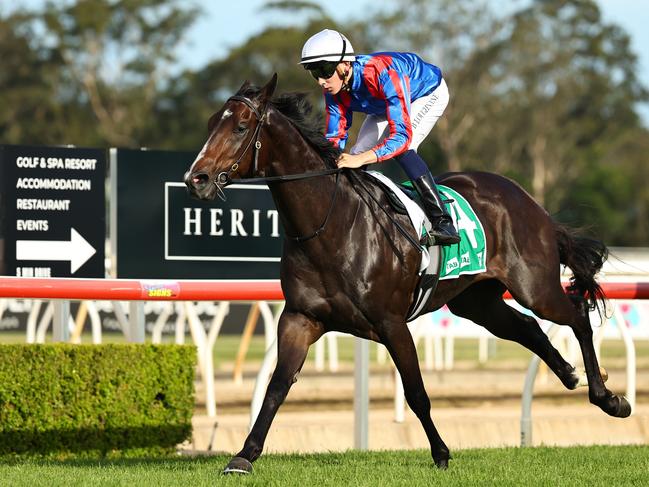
x: 470, y: 255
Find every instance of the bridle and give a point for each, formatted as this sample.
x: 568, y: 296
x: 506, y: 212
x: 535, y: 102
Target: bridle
x: 223, y: 178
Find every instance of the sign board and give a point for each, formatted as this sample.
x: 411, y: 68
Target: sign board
x: 52, y: 211
x: 164, y: 233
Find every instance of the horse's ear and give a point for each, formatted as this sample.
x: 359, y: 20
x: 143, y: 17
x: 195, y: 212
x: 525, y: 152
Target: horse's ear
x: 245, y: 85
x: 268, y: 90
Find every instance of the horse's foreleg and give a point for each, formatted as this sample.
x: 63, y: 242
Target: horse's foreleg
x: 294, y: 336
x: 399, y: 343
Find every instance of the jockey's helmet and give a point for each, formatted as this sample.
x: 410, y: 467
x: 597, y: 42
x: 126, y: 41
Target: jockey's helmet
x: 327, y: 45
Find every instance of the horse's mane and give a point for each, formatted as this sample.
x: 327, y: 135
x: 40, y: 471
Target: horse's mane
x: 299, y: 112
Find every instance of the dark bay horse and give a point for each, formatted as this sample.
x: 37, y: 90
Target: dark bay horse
x: 346, y: 268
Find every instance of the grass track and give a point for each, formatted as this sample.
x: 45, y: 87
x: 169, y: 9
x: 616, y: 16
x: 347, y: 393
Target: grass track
x: 589, y: 466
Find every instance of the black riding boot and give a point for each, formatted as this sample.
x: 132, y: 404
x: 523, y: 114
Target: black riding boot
x: 443, y: 230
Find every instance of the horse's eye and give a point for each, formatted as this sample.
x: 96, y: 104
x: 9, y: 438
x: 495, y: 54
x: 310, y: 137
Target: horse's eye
x: 241, y: 128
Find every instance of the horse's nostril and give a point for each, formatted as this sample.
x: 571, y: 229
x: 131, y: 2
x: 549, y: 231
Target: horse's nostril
x: 200, y: 180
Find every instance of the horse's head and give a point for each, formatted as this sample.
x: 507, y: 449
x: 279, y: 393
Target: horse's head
x: 232, y: 147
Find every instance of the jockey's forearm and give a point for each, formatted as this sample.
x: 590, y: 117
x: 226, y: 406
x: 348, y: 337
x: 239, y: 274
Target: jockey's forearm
x: 368, y: 157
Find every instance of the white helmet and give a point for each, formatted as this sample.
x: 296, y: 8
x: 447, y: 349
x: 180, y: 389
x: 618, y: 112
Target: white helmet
x: 327, y: 45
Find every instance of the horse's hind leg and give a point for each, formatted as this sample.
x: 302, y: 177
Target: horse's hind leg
x: 483, y: 304
x: 598, y: 394
x: 554, y: 305
x: 295, y: 334
x: 398, y: 341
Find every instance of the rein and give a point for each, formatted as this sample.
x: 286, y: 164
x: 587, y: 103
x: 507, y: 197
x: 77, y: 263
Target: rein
x: 297, y: 177
x: 288, y: 177
x: 223, y: 178
x: 402, y: 230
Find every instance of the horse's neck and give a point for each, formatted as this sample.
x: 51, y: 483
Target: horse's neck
x: 303, y: 203
x: 291, y: 153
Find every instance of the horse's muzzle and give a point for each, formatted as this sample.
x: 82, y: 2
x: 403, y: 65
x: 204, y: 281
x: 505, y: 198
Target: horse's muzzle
x: 199, y: 185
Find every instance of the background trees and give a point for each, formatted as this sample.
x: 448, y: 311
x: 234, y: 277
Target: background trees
x: 545, y: 93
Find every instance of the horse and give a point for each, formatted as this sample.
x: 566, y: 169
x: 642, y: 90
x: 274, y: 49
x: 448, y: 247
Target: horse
x: 346, y: 266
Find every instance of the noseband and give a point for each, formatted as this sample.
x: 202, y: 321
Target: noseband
x: 223, y: 178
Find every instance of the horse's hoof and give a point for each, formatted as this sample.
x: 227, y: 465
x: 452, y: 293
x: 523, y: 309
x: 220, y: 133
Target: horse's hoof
x: 441, y: 461
x: 238, y: 465
x: 442, y: 464
x: 624, y: 408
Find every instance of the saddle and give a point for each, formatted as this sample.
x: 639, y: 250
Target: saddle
x: 406, y: 186
x: 439, y: 263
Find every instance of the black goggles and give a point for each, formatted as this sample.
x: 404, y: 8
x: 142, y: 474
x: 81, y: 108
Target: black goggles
x: 323, y: 69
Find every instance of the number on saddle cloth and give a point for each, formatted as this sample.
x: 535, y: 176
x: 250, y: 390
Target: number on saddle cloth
x: 470, y: 255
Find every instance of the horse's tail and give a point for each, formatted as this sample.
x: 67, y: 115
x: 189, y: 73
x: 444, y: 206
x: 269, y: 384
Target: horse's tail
x: 585, y: 257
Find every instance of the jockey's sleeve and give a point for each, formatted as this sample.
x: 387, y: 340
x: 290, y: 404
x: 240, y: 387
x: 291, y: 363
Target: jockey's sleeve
x: 393, y: 88
x: 338, y: 118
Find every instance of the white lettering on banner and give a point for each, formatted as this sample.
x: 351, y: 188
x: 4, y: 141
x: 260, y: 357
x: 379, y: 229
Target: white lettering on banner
x: 239, y: 224
x: 29, y: 162
x: 47, y: 204
x: 273, y: 216
x: 72, y: 163
x: 58, y: 184
x: 196, y: 221
x: 255, y: 223
x: 33, y: 272
x: 236, y: 226
x: 215, y: 222
x: 32, y: 225
x: 55, y: 163
x: 80, y: 164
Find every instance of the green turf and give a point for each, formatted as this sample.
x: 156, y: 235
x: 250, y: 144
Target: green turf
x: 588, y: 466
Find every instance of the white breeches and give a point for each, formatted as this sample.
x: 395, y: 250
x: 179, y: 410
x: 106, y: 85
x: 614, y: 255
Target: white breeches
x: 424, y: 113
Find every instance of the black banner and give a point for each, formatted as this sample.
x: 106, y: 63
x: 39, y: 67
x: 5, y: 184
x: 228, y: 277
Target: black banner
x: 52, y: 211
x: 163, y: 233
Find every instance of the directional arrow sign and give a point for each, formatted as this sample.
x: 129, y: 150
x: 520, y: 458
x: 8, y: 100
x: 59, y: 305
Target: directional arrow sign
x: 77, y: 250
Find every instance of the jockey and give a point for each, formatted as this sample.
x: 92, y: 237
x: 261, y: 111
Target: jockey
x: 403, y: 97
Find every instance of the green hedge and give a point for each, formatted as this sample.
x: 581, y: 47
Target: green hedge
x: 63, y: 398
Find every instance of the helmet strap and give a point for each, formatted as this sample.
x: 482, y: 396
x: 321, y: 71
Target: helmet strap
x: 344, y: 51
x: 345, y: 86
x: 343, y: 77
